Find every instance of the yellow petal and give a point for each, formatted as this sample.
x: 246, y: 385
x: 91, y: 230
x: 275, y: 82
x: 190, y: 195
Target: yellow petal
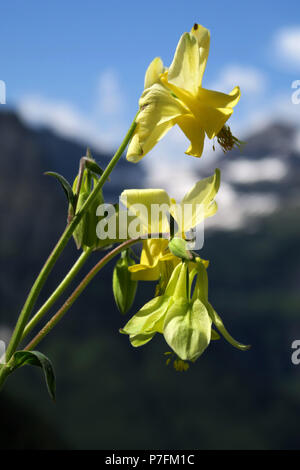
x: 201, y: 198
x: 204, y: 191
x: 140, y: 272
x: 135, y: 151
x: 184, y: 71
x: 211, y: 209
x: 215, y: 99
x: 152, y: 252
x: 153, y: 72
x: 205, y: 108
x: 150, y: 206
x: 168, y: 257
x: 129, y: 197
x: 158, y: 106
x: 213, y: 109
x: 191, y: 128
x: 212, y: 119
x: 158, y: 109
x: 197, y: 204
x: 203, y: 38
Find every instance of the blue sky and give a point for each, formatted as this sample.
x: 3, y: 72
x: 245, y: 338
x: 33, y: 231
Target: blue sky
x: 78, y: 66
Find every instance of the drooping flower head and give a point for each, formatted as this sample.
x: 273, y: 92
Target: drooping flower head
x: 175, y: 95
x: 185, y: 318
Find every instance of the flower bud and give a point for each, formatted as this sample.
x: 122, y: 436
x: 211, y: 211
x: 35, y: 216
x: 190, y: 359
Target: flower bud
x: 85, y: 232
x: 177, y: 246
x: 124, y: 287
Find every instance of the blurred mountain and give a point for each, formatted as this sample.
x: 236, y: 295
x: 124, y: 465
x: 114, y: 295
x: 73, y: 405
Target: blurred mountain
x: 32, y: 206
x: 259, y: 179
x: 269, y: 162
x: 113, y: 396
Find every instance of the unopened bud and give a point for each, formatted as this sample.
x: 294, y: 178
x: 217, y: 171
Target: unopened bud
x: 124, y: 288
x: 85, y: 233
x: 177, y: 246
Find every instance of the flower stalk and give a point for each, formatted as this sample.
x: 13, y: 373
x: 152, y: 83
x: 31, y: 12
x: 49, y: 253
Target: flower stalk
x: 67, y: 234
x: 58, y: 292
x: 76, y: 293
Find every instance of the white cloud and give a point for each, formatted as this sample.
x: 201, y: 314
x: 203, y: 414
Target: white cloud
x: 60, y: 116
x: 175, y: 178
x: 236, y: 211
x: 103, y: 127
x: 286, y: 44
x: 169, y: 168
x: 249, y: 79
x: 65, y: 120
x: 110, y: 96
x: 280, y: 109
x: 244, y: 171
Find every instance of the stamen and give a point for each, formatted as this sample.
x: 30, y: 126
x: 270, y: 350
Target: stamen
x: 228, y: 141
x: 180, y: 365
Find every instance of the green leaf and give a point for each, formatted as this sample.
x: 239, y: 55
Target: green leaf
x: 93, y: 166
x: 36, y: 358
x: 65, y: 185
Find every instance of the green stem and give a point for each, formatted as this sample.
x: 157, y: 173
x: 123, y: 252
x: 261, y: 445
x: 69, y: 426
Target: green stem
x: 58, y: 292
x: 42, y: 277
x: 76, y: 293
x: 5, y: 370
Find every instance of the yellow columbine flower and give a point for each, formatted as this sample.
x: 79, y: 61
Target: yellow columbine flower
x: 176, y: 96
x: 184, y: 322
x: 185, y: 318
x: 156, y: 260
